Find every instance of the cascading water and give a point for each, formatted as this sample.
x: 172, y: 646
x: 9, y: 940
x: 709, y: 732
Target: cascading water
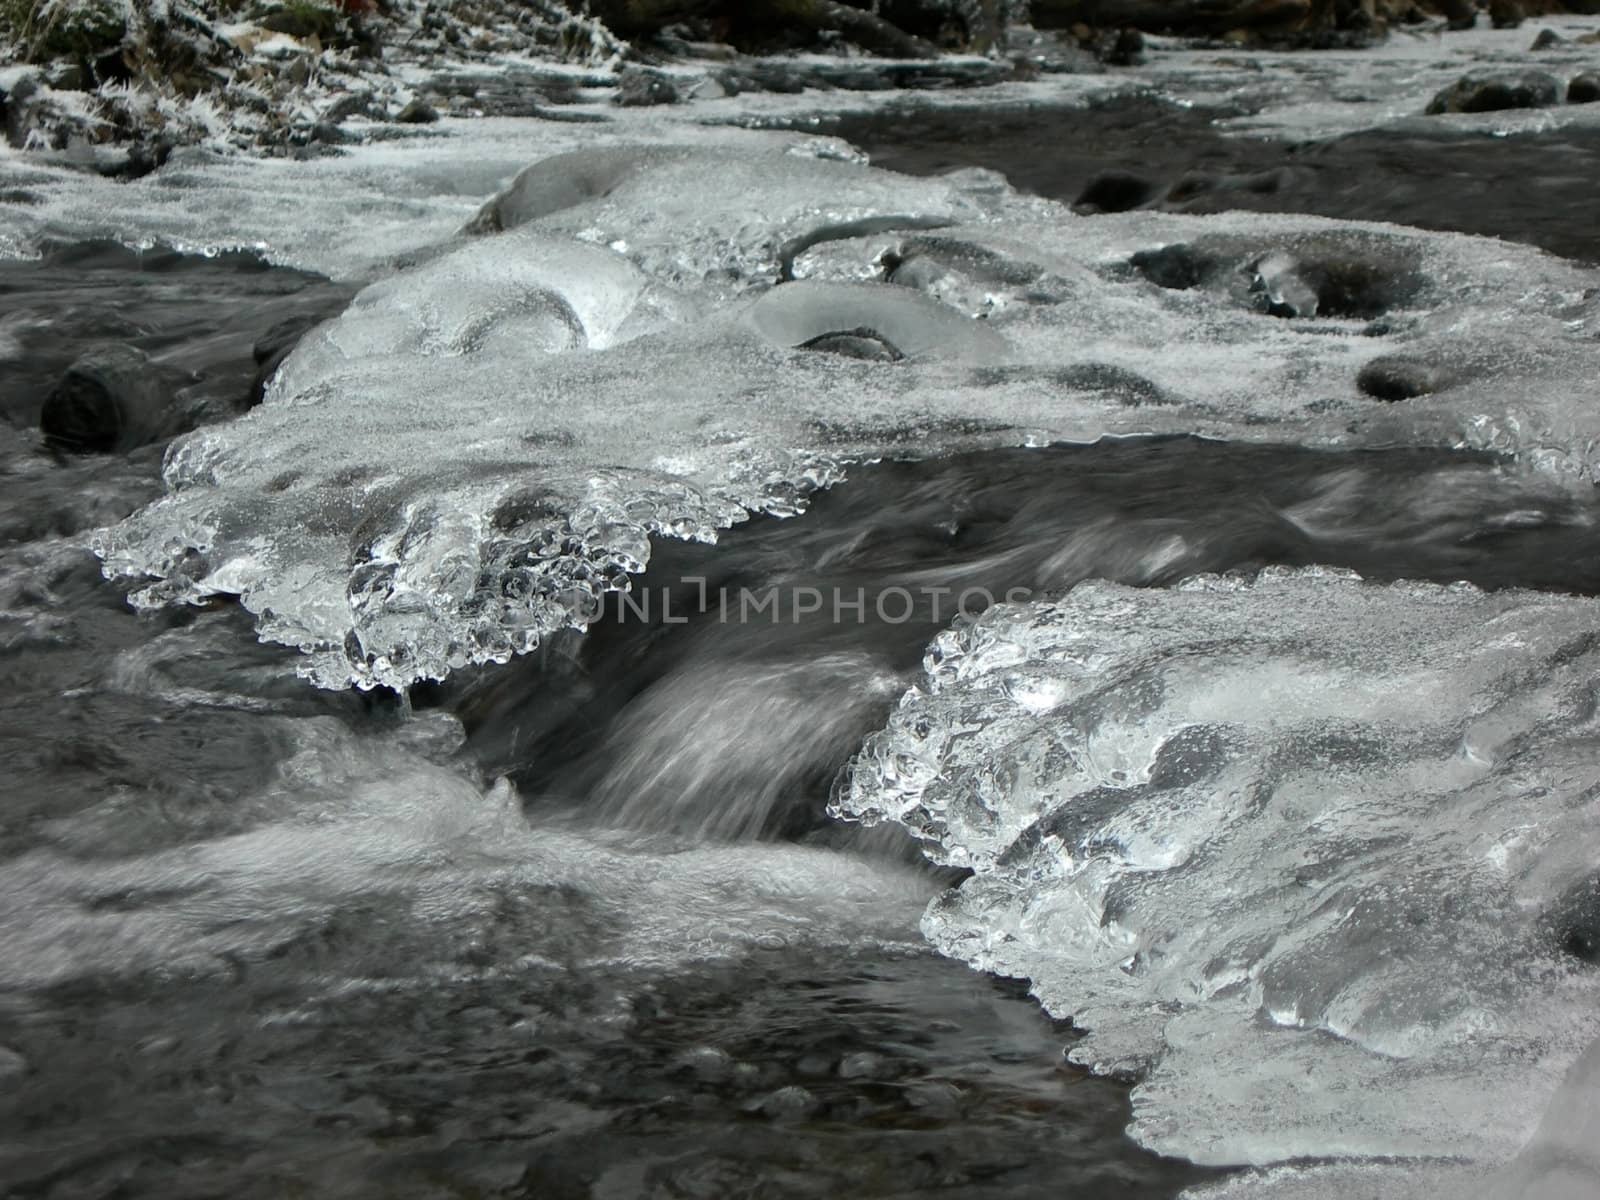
x: 729, y: 568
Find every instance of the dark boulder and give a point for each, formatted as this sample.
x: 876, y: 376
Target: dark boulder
x: 111, y: 399
x: 1505, y: 14
x: 1177, y: 266
x: 639, y: 87
x: 1584, y: 89
x: 1114, y: 192
x: 303, y: 21
x: 418, y: 112
x: 1547, y: 39
x: 1394, y: 377
x: 328, y: 134
x: 1127, y: 50
x: 1460, y: 14
x: 1572, y: 923
x: 1490, y: 91
x: 352, y: 104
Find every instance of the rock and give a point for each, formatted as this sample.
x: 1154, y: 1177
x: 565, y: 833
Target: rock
x: 638, y: 87
x: 1505, y: 14
x: 1460, y: 14
x: 273, y: 347
x: 1356, y: 16
x: 863, y: 343
x: 706, y: 1063
x: 418, y: 112
x: 1114, y: 192
x: 864, y: 1064
x: 328, y: 134
x: 303, y: 21
x: 33, y: 120
x: 1177, y: 266
x: 1491, y: 91
x: 1127, y: 50
x: 1546, y: 39
x: 1584, y: 89
x: 763, y: 75
x: 111, y: 399
x: 347, y: 106
x: 559, y: 182
x: 936, y: 1099
x: 787, y: 1104
x: 1307, y: 276
x: 1394, y: 377
x: 1127, y: 387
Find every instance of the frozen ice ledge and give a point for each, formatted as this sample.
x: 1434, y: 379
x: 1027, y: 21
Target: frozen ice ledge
x: 1316, y: 856
x: 662, y: 339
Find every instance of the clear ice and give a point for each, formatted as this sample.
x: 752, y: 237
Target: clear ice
x: 1305, y: 851
x: 632, y: 342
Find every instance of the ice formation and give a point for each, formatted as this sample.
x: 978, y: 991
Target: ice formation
x: 485, y: 441
x: 1313, y: 853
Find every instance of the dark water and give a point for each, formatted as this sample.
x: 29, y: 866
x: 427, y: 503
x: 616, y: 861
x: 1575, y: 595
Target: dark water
x: 458, y: 1069
x: 715, y: 655
x: 1537, y: 188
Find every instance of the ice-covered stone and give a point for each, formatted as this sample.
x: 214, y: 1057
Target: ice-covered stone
x: 486, y: 440
x: 1301, y: 848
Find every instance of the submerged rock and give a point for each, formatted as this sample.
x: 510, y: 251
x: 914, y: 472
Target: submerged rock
x: 638, y: 87
x: 1310, y: 276
x: 1491, y: 91
x: 863, y: 343
x: 1114, y: 192
x: 1394, y: 377
x: 111, y: 399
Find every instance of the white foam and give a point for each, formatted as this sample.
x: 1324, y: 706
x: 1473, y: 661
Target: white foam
x: 349, y: 821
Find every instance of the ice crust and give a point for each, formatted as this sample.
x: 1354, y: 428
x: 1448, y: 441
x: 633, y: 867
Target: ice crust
x: 485, y: 441
x: 1303, y: 849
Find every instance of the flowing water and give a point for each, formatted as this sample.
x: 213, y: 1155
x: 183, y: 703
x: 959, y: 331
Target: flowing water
x: 569, y: 737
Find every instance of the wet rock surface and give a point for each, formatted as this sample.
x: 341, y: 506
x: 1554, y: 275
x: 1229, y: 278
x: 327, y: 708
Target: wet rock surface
x: 114, y: 347
x: 1492, y: 91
